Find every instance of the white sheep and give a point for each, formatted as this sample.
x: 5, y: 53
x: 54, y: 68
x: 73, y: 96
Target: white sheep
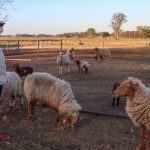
x: 12, y: 88
x: 45, y: 89
x: 64, y: 60
x: 138, y: 105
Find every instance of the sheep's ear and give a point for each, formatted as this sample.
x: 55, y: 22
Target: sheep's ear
x: 134, y: 86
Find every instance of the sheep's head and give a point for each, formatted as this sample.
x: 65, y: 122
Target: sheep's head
x: 96, y: 49
x: 15, y: 66
x: 127, y: 88
x: 77, y: 61
x: 71, y: 119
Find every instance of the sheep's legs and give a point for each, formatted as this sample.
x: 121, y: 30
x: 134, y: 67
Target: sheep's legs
x: 60, y: 70
x: 12, y: 102
x: 22, y: 101
x: 118, y: 99
x: 78, y: 69
x: 30, y: 110
x: 113, y: 102
x: 1, y: 108
x: 56, y: 118
x: 142, y: 133
x: 147, y: 142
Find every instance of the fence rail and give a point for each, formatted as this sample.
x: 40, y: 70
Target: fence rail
x: 22, y: 45
x: 39, y: 45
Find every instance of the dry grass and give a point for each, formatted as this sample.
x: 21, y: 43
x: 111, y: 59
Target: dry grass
x: 31, y: 43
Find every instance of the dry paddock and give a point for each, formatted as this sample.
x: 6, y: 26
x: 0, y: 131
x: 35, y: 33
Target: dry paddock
x: 93, y: 92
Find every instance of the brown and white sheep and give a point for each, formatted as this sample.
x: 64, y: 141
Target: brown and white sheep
x: 22, y: 71
x: 138, y: 106
x: 82, y: 65
x: 45, y: 89
x: 102, y: 53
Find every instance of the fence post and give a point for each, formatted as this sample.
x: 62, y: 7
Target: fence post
x: 38, y: 47
x: 18, y: 46
x: 7, y: 46
x: 103, y: 44
x: 61, y: 45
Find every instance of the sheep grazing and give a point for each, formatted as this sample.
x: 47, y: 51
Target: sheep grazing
x: 45, y: 89
x: 64, y: 60
x: 138, y: 106
x: 115, y: 99
x: 102, y: 53
x: 12, y: 89
x: 82, y: 65
x: 22, y: 71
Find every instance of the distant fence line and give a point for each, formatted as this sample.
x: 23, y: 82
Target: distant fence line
x: 39, y: 45
x: 22, y: 45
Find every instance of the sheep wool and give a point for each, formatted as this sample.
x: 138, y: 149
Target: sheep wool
x: 13, y: 87
x: 138, y: 106
x: 51, y: 91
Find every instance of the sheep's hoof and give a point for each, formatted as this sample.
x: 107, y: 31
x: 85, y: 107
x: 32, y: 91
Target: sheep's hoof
x: 10, y: 109
x: 21, y: 105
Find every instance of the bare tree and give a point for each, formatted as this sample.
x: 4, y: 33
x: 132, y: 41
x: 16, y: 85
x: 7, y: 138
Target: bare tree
x: 116, y: 22
x: 3, y: 10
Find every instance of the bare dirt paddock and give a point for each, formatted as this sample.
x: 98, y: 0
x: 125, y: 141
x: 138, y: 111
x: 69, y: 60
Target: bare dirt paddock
x: 93, y: 92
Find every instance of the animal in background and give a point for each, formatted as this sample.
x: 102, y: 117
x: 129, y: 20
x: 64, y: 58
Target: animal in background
x: 102, y: 53
x: 64, y: 61
x: 82, y: 66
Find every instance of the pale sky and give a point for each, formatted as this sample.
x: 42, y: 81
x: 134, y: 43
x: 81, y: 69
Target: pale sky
x: 59, y: 16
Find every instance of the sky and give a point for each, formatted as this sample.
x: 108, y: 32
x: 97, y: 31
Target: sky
x: 60, y: 16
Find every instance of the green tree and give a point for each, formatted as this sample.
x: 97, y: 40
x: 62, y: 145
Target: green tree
x: 144, y: 31
x: 117, y: 21
x: 91, y: 32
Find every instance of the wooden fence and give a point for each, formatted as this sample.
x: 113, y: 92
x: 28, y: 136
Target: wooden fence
x: 36, y: 45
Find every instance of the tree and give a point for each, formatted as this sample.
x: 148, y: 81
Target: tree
x: 144, y: 31
x: 91, y: 32
x: 116, y: 22
x: 3, y: 10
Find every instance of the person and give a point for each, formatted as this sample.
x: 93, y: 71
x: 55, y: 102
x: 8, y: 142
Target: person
x: 3, y: 80
x: 3, y: 77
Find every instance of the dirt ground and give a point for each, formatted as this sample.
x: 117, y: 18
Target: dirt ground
x: 93, y: 92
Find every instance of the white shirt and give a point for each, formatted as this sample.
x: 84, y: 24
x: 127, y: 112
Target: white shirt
x: 3, y: 77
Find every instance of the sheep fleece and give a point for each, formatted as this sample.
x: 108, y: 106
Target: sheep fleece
x: 138, y: 107
x: 51, y: 91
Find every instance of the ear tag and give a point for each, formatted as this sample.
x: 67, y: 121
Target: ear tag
x: 73, y: 114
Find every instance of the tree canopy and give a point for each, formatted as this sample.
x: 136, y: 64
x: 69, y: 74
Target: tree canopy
x: 91, y: 32
x: 3, y: 10
x: 116, y: 22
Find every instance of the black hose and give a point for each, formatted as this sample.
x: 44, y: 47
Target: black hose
x: 104, y: 114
